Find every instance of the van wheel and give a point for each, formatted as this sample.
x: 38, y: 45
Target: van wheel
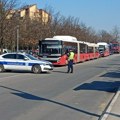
x: 36, y: 69
x: 1, y: 68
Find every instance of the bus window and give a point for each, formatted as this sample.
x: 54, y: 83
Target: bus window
x: 68, y: 45
x: 82, y: 48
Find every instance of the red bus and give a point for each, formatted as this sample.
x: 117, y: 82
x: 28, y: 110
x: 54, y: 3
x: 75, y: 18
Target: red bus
x: 55, y: 49
x: 115, y: 47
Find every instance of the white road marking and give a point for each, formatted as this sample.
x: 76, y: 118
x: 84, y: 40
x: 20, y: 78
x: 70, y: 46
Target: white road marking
x: 105, y: 116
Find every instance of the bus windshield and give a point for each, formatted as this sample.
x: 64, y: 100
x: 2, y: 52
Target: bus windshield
x: 51, y: 48
x: 101, y: 47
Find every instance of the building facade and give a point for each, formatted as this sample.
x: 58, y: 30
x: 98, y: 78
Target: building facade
x: 31, y: 12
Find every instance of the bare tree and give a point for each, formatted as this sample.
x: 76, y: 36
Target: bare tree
x: 31, y: 31
x: 105, y: 36
x: 116, y: 33
x: 6, y: 7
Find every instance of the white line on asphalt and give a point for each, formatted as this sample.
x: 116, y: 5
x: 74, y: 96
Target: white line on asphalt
x: 105, y: 116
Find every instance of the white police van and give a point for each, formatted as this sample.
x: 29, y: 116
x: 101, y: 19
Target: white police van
x: 23, y: 61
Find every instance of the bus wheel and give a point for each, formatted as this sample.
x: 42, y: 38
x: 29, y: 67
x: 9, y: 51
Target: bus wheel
x: 36, y: 69
x: 1, y: 68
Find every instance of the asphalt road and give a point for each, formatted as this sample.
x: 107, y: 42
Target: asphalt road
x: 83, y: 95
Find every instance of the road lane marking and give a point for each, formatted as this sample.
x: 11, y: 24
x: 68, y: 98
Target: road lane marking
x: 106, y: 113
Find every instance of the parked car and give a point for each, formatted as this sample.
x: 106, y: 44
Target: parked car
x: 23, y: 61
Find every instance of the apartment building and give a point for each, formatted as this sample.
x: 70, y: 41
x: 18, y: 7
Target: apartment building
x: 31, y: 12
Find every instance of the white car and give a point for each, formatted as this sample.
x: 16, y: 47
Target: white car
x: 23, y: 61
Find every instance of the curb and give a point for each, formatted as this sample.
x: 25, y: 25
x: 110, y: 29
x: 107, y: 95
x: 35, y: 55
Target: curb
x: 108, y: 110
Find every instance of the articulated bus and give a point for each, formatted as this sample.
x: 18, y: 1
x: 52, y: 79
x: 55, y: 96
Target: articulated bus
x: 55, y: 50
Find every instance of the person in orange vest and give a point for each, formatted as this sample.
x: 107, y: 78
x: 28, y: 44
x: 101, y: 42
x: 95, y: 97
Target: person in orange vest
x: 70, y: 55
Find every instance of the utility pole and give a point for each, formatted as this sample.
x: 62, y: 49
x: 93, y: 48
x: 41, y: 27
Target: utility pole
x: 17, y: 38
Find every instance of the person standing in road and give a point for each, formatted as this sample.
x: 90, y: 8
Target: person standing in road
x: 70, y: 61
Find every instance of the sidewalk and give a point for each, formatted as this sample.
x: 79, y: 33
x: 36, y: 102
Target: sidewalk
x: 113, y: 111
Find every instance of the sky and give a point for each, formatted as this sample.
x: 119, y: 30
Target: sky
x: 98, y: 14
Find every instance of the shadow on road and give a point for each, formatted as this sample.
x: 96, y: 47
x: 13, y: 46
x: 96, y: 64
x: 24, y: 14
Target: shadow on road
x: 107, y: 86
x: 112, y: 74
x: 113, y: 114
x: 100, y: 86
x: 29, y: 96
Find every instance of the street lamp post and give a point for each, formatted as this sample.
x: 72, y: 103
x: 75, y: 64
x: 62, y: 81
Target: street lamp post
x: 17, y: 38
